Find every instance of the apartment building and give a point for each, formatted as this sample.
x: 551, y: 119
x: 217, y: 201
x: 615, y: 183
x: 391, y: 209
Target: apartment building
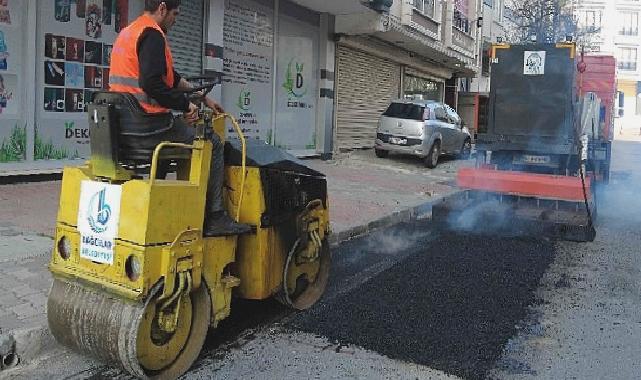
x: 419, y: 49
x: 474, y: 91
x: 612, y: 27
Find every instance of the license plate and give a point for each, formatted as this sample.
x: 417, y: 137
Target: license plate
x: 397, y: 141
x: 530, y: 159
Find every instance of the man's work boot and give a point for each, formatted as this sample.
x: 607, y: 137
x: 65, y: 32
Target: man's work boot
x: 220, y: 224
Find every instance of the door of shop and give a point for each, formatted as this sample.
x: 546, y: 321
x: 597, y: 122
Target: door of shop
x: 365, y: 86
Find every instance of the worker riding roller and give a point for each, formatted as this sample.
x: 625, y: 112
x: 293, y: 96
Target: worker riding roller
x: 142, y: 65
x: 150, y: 246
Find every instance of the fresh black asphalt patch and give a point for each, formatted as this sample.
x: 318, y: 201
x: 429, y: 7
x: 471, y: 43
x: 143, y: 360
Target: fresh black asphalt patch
x: 452, y: 306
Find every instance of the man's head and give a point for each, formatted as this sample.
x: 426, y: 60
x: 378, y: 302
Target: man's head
x: 163, y: 11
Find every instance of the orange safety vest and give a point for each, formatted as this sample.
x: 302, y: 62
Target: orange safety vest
x: 124, y: 71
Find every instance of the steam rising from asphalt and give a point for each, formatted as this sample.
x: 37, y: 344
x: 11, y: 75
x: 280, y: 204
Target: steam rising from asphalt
x: 620, y: 201
x: 475, y: 218
x: 392, y: 242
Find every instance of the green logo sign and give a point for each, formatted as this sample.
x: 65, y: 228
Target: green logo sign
x: 295, y: 84
x: 244, y: 100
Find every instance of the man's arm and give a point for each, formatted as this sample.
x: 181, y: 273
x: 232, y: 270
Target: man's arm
x: 151, y: 59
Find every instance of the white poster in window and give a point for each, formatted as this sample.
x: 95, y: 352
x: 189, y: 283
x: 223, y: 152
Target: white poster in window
x: 534, y: 63
x: 247, y: 67
x: 297, y: 86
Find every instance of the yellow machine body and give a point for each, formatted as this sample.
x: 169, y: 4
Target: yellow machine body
x: 161, y: 262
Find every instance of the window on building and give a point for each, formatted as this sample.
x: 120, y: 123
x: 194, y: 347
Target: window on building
x: 590, y: 20
x: 461, y: 19
x: 426, y: 7
x: 485, y: 61
x: 461, y: 22
x: 629, y: 25
x: 627, y: 58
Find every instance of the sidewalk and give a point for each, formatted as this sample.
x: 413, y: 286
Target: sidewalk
x: 365, y: 192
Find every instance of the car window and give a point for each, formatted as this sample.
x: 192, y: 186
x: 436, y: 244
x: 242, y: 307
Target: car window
x: 404, y: 111
x: 454, y: 117
x: 440, y: 114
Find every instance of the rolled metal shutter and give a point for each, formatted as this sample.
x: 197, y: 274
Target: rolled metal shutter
x: 365, y: 86
x: 186, y: 38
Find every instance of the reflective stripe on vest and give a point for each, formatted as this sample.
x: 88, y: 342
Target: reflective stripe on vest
x: 124, y: 71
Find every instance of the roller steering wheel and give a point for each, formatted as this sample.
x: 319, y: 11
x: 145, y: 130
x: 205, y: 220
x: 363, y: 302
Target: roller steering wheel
x: 202, y: 85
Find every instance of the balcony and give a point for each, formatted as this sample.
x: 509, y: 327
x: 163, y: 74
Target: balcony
x: 336, y: 7
x: 417, y: 26
x: 425, y: 22
x: 462, y: 41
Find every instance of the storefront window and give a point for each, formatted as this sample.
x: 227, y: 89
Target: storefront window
x: 423, y: 89
x: 297, y: 85
x: 247, y: 66
x: 73, y: 63
x: 250, y: 79
x: 13, y: 137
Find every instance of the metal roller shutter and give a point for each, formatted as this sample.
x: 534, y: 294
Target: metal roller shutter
x: 186, y: 38
x: 365, y: 86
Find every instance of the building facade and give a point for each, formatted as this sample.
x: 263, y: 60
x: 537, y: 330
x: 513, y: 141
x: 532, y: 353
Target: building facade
x: 308, y: 76
x: 473, y: 97
x: 492, y: 31
x: 612, y: 27
x: 419, y: 49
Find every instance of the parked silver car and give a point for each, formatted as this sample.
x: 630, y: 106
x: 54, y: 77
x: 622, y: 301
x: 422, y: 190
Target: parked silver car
x: 424, y: 128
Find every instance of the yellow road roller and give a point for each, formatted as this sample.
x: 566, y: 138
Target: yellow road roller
x: 136, y: 283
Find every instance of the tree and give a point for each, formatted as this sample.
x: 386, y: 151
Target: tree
x: 548, y: 20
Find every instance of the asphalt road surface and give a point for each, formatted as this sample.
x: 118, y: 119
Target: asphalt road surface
x: 407, y: 303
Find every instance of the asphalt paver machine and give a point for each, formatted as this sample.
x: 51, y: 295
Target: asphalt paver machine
x: 537, y: 169
x: 136, y: 284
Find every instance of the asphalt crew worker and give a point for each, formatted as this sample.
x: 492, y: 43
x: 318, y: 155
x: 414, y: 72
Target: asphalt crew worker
x: 142, y: 65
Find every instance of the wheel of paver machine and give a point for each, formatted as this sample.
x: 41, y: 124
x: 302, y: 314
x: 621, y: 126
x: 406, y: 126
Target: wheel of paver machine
x: 304, y: 280
x: 147, y: 340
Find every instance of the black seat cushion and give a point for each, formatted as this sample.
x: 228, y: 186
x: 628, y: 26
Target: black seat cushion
x: 138, y: 131
x: 134, y: 121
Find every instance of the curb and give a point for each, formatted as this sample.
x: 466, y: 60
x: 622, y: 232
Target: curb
x: 32, y: 342
x: 422, y: 211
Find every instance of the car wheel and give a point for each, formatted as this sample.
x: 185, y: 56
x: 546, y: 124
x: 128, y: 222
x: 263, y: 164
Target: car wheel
x: 466, y: 150
x: 380, y: 153
x: 432, y: 157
